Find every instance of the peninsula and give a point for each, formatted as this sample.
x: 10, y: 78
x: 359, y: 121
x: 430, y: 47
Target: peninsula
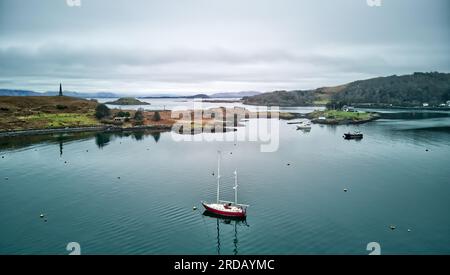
x: 338, y: 117
x: 55, y: 114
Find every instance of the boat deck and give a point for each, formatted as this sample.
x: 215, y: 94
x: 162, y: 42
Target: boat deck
x: 224, y: 207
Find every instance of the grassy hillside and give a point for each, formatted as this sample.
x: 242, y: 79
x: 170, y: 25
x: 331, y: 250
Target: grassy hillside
x: 19, y: 113
x: 407, y: 90
x: 320, y: 96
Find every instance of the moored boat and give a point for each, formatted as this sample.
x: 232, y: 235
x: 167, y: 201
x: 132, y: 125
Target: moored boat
x: 226, y: 208
x: 304, y: 125
x: 354, y: 135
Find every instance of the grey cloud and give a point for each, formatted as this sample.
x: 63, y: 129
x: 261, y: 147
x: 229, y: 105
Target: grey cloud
x: 225, y: 45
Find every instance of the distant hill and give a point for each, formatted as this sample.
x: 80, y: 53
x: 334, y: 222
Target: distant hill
x: 162, y: 95
x: 216, y: 95
x: 318, y: 96
x: 234, y: 95
x: 10, y: 92
x: 7, y: 92
x: 83, y: 95
x: 406, y: 90
x: 176, y: 96
x: 198, y: 96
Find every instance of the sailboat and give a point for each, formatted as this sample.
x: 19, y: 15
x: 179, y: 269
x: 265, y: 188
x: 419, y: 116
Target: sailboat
x: 226, y: 208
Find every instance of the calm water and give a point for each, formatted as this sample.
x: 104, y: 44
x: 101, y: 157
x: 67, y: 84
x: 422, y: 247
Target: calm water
x: 187, y: 104
x: 296, y: 209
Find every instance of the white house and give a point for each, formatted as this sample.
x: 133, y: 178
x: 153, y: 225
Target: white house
x: 348, y: 108
x: 119, y: 119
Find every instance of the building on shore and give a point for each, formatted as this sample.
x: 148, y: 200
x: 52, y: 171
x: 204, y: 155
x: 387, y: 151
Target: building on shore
x: 119, y: 119
x: 348, y: 108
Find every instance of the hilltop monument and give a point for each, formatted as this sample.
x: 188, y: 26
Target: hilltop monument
x: 60, y: 90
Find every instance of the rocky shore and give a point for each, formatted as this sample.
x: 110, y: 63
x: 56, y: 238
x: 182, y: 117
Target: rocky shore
x: 32, y: 132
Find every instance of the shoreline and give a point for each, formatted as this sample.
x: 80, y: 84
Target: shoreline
x: 33, y: 132
x: 403, y: 108
x: 343, y: 122
x: 165, y: 127
x: 156, y: 127
x: 168, y: 127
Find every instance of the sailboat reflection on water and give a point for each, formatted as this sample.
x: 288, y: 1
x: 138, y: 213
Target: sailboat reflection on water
x: 233, y: 221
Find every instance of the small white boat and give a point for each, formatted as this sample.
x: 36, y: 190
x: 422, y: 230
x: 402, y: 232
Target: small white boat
x: 304, y: 125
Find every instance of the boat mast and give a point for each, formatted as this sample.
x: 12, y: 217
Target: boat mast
x: 235, y: 186
x: 218, y: 175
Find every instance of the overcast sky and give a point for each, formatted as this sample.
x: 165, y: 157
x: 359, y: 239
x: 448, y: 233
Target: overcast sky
x: 190, y: 46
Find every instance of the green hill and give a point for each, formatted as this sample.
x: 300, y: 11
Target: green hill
x: 43, y: 112
x: 406, y: 90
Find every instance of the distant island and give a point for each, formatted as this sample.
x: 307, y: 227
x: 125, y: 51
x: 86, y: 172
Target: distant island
x: 339, y: 117
x: 234, y: 95
x: 175, y: 96
x: 127, y: 101
x: 205, y: 96
x: 224, y: 100
x: 15, y: 92
x: 416, y: 90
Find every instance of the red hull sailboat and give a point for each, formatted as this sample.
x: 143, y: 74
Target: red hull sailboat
x: 226, y: 208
